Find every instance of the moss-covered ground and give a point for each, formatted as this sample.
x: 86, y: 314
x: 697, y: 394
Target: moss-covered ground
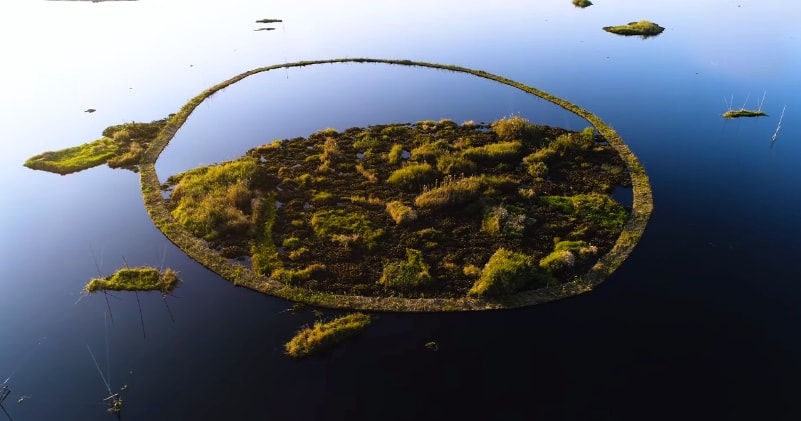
x: 142, y: 278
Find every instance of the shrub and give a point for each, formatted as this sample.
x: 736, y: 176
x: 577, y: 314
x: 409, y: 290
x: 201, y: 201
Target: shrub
x: 558, y: 260
x: 406, y: 275
x: 537, y: 169
x: 368, y: 174
x: 454, y: 164
x: 400, y: 213
x: 450, y: 192
x: 395, y: 154
x: 505, y: 273
x: 323, y: 335
x: 506, y: 222
x: 365, y: 141
x: 413, y: 175
x: 515, y: 128
x: 429, y: 152
x: 494, y: 151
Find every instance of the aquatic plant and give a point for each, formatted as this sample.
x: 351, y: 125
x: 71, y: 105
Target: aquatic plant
x: 142, y: 278
x: 582, y: 3
x: 324, y: 335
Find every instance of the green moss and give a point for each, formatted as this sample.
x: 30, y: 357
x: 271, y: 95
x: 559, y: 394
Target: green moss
x: 293, y: 276
x: 324, y: 335
x: 136, y: 279
x: 263, y: 252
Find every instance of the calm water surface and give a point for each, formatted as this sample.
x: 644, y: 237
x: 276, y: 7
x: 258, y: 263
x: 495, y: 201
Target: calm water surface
x: 700, y: 322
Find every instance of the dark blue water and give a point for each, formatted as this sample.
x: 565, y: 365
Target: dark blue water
x: 700, y: 322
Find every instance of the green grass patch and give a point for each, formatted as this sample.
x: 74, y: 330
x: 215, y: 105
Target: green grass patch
x: 451, y: 192
x: 263, y: 251
x: 143, y: 278
x: 505, y: 273
x: 411, y: 274
x: 395, y: 154
x: 501, y: 151
x: 400, y: 213
x: 214, y: 201
x: 293, y: 276
x: 413, y: 175
x: 345, y: 227
x: 324, y: 335
x: 596, y: 208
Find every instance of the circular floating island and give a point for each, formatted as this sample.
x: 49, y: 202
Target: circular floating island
x: 425, y: 216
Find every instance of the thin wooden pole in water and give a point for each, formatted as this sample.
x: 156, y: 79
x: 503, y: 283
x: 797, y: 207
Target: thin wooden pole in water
x: 139, y: 303
x: 141, y: 318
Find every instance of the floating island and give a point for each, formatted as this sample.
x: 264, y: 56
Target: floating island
x: 143, y: 278
x: 742, y: 112
x: 582, y: 3
x: 643, y: 28
x: 325, y: 334
x: 427, y: 216
x: 430, y: 209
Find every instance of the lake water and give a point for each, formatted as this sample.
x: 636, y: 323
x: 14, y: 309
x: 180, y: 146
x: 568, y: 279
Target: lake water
x: 700, y: 322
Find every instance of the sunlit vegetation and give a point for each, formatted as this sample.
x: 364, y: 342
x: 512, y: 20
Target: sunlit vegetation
x: 595, y: 208
x: 413, y: 176
x: 643, y: 28
x: 215, y: 201
x: 325, y: 334
x: 345, y: 228
x: 121, y: 146
x: 400, y: 213
x: 352, y: 212
x: 743, y: 113
x: 582, y: 3
x: 410, y: 274
x: 142, y: 278
x: 505, y: 273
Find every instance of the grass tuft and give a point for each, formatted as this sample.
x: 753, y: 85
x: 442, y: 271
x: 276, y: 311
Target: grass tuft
x: 324, y: 335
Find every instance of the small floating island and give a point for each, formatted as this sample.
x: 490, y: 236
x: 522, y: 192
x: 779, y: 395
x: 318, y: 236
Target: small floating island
x: 643, y: 28
x: 582, y: 3
x: 143, y: 278
x: 742, y: 112
x: 325, y: 334
x: 121, y: 146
